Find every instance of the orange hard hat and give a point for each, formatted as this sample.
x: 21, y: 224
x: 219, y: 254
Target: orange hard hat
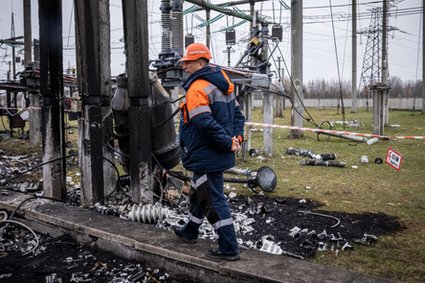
x: 196, y: 51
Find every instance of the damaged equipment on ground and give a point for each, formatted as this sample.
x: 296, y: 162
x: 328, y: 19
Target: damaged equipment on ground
x: 265, y: 178
x: 325, y: 159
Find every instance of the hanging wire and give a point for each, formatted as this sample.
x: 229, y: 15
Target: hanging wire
x: 280, y: 13
x: 70, y: 23
x: 187, y: 25
x: 191, y: 25
x: 345, y: 46
x: 419, y: 45
x: 310, y: 119
x: 337, y: 65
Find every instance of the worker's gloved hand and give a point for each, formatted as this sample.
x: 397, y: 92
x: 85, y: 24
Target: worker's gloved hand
x: 235, y: 144
x: 240, y: 139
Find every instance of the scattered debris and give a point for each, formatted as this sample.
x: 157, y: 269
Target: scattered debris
x: 325, y: 159
x: 350, y: 123
x: 331, y: 163
x: 253, y: 152
x: 64, y: 260
x: 372, y: 141
x: 261, y: 222
x: 310, y: 154
x: 367, y: 239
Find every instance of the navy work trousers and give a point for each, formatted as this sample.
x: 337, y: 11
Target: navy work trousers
x: 207, y: 199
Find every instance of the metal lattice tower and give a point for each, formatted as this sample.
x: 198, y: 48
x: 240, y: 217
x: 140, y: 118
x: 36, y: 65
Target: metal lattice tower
x: 372, y: 61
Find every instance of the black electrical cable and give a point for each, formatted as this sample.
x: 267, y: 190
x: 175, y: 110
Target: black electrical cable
x: 166, y: 119
x: 310, y: 120
x: 337, y: 65
x: 320, y: 127
x: 122, y: 154
x: 118, y: 175
x: 35, y: 167
x: 30, y: 198
x: 118, y: 184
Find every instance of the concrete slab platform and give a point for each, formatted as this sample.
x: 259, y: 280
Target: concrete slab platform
x: 144, y: 242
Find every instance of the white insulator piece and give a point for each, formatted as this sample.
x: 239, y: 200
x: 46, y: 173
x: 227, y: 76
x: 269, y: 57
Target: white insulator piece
x: 148, y: 213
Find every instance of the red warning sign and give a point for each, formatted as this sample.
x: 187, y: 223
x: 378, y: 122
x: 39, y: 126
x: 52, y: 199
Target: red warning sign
x: 394, y: 158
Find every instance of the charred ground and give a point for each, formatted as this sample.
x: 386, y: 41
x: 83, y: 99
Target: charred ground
x: 288, y: 226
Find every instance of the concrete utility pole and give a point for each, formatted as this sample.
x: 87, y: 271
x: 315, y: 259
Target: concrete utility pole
x: 51, y: 88
x: 94, y: 82
x: 109, y: 174
x: 208, y: 27
x: 135, y: 17
x: 27, y: 32
x: 385, y: 73
x: 280, y: 100
x: 248, y: 96
x: 380, y: 89
x: 297, y: 66
x: 34, y: 96
x: 267, y: 97
x: 423, y: 58
x: 12, y: 35
x: 354, y: 101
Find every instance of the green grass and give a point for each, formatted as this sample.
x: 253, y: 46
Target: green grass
x: 369, y: 188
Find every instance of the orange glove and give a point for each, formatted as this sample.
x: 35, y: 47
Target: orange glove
x: 235, y: 144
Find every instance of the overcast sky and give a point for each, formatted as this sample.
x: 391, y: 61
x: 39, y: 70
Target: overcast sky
x: 319, y: 61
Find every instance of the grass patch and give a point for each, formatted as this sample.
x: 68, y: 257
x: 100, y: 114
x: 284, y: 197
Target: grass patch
x: 371, y: 187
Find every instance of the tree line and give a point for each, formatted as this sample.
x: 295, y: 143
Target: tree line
x: 321, y: 88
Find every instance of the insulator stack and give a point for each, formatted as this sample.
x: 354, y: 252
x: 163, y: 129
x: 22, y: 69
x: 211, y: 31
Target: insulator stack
x: 176, y: 25
x: 147, y: 213
x: 165, y: 22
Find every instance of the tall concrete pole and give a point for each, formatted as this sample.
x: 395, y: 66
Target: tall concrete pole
x: 109, y: 174
x: 267, y: 97
x: 34, y: 96
x: 51, y: 88
x: 208, y: 27
x: 91, y: 16
x: 354, y: 102
x: 380, y: 90
x: 423, y: 58
x: 135, y: 15
x: 248, y: 96
x: 297, y: 66
x: 385, y: 61
x: 27, y: 32
x: 280, y: 100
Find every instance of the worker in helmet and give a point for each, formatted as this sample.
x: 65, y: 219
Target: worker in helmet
x: 211, y: 132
